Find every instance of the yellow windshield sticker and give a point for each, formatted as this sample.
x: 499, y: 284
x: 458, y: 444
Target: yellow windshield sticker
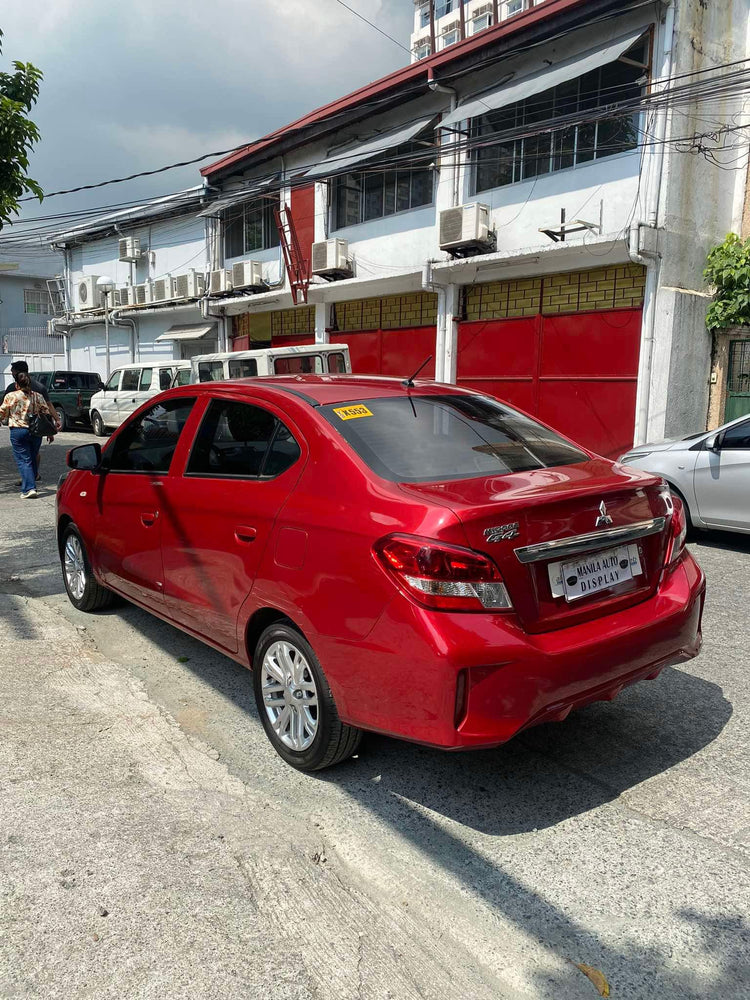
x: 351, y: 412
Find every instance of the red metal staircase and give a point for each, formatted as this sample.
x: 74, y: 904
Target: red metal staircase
x: 297, y: 267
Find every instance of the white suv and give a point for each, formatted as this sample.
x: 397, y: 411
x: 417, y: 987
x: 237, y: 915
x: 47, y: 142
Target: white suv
x: 127, y: 387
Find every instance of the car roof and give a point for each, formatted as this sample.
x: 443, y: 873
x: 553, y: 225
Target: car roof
x: 144, y: 364
x: 322, y: 390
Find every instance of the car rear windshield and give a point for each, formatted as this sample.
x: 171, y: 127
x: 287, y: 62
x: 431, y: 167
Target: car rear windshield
x: 417, y: 439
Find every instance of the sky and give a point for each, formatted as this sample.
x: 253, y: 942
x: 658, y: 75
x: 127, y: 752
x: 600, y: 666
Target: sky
x: 137, y: 85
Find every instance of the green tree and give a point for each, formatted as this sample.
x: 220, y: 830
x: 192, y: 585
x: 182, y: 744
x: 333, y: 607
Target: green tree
x: 18, y: 94
x: 728, y: 270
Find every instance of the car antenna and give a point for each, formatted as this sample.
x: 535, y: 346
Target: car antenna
x: 409, y: 382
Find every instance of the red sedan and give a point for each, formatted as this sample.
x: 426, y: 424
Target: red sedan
x: 408, y: 558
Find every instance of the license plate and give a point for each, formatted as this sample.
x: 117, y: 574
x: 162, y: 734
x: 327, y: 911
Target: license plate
x: 592, y: 574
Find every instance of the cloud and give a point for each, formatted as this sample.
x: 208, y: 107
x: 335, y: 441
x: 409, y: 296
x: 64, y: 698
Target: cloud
x: 137, y: 85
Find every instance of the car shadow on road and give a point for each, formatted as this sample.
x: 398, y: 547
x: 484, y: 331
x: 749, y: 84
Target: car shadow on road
x: 730, y: 541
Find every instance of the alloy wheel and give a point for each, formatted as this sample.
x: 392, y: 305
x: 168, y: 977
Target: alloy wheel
x: 290, y: 695
x: 75, y: 567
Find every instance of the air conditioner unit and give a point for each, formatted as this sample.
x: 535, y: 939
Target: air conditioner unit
x: 89, y: 296
x: 188, y: 286
x: 220, y: 281
x: 129, y: 248
x: 144, y: 294
x: 247, y: 274
x: 464, y: 226
x: 125, y: 296
x: 163, y: 289
x: 481, y: 11
x: 331, y: 257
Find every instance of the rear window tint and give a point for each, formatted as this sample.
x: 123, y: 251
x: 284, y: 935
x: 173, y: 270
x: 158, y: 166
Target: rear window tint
x: 436, y: 438
x: 298, y: 364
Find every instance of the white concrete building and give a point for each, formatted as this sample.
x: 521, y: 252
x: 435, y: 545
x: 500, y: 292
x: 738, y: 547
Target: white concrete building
x: 579, y: 129
x: 25, y: 309
x: 440, y: 23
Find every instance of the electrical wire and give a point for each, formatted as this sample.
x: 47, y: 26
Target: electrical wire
x: 379, y: 30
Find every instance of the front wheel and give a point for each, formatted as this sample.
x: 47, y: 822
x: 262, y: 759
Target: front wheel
x: 295, y: 702
x: 83, y: 590
x: 97, y: 425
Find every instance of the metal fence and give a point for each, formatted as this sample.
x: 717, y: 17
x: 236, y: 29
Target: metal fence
x: 30, y: 340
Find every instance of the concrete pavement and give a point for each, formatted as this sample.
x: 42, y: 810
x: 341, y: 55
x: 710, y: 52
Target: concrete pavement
x: 136, y: 780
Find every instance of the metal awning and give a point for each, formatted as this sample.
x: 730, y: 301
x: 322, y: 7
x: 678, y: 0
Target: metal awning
x: 192, y: 331
x: 536, y: 83
x: 339, y: 161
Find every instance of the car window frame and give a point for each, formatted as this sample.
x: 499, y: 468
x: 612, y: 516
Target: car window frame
x: 139, y: 415
x: 742, y: 423
x: 258, y: 404
x: 114, y: 388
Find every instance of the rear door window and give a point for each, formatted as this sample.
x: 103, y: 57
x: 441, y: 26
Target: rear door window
x: 416, y: 439
x: 130, y: 379
x: 147, y: 376
x: 148, y: 443
x: 60, y: 382
x: 243, y: 368
x: 165, y: 378
x: 241, y: 440
x: 298, y: 364
x: 210, y: 371
x: 337, y: 364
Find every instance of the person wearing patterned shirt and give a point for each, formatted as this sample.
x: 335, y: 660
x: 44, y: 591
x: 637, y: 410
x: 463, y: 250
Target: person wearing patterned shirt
x: 18, y: 408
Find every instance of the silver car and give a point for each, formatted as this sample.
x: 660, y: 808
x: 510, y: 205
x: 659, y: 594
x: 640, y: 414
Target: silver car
x: 710, y: 472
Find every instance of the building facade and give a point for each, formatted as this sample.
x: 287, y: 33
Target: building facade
x: 440, y: 23
x: 25, y: 309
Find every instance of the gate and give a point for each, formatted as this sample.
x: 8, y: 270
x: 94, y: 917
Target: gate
x: 738, y: 383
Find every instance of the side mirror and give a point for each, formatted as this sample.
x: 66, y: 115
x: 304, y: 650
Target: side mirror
x: 714, y: 442
x: 85, y: 456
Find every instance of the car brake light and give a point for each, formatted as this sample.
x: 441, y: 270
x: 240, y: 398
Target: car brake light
x: 677, y: 531
x: 446, y: 577
x: 79, y: 401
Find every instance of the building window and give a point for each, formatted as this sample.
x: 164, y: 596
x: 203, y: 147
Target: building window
x: 450, y: 36
x: 443, y: 7
x: 422, y: 48
x: 480, y: 22
x: 424, y: 15
x: 248, y: 228
x: 384, y: 190
x: 514, y: 7
x: 36, y: 302
x: 507, y: 161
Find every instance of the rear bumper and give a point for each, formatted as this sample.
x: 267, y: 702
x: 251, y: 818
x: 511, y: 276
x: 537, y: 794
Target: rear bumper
x: 405, y: 678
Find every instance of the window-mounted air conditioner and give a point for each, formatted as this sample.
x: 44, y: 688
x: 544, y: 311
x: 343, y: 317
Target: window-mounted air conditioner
x: 129, y: 248
x: 144, y: 294
x: 331, y: 257
x: 188, y: 286
x: 163, y: 289
x: 463, y: 226
x: 247, y: 274
x: 220, y: 281
x: 89, y: 296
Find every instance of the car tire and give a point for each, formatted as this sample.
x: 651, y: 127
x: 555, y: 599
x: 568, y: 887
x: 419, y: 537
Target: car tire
x: 64, y: 419
x: 97, y: 424
x: 84, y: 592
x: 295, y: 703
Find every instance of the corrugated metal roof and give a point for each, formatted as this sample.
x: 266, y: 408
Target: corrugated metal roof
x: 173, y: 204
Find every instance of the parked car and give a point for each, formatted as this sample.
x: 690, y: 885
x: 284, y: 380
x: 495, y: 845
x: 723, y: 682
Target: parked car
x: 709, y: 472
x: 313, y: 359
x: 127, y: 387
x: 70, y: 393
x: 409, y: 558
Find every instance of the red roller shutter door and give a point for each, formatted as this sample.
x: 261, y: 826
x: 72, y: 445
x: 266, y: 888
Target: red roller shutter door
x: 390, y: 352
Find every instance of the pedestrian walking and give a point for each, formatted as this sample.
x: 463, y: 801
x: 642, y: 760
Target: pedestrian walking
x: 30, y: 419
x: 17, y: 368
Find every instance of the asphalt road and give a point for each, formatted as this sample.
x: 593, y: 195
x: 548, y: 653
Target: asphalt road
x: 617, y: 840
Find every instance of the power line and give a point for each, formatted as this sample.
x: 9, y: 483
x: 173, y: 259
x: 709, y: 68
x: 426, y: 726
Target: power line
x: 380, y: 30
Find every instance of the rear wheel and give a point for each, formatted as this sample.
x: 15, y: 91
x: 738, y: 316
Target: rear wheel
x: 63, y: 418
x: 295, y: 703
x: 83, y: 590
x: 97, y: 424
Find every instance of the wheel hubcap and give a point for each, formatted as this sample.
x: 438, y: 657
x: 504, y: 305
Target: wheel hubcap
x: 290, y: 696
x: 75, y: 567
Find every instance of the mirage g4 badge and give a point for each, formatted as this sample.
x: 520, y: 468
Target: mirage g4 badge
x: 502, y: 532
x: 604, y: 519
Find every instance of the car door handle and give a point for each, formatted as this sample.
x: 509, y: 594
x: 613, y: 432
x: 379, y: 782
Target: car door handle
x: 148, y: 519
x: 244, y: 534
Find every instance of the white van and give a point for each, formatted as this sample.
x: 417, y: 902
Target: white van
x: 312, y: 359
x: 127, y: 387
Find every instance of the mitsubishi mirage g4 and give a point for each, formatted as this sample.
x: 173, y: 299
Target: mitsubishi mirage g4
x: 411, y: 559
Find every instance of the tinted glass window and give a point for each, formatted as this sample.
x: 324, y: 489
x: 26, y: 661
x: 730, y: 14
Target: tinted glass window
x: 146, y: 378
x: 435, y: 438
x: 93, y: 381
x: 130, y: 379
x: 60, y: 381
x: 183, y: 377
x: 114, y: 381
x: 165, y: 378
x: 43, y: 377
x: 210, y: 371
x: 148, y: 443
x: 243, y: 368
x: 237, y: 439
x: 77, y: 381
x: 299, y: 364
x: 337, y: 364
x: 737, y: 436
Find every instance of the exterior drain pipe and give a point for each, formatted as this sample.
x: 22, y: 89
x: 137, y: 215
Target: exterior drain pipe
x: 116, y: 320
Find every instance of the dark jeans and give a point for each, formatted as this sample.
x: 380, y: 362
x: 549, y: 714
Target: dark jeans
x: 25, y: 451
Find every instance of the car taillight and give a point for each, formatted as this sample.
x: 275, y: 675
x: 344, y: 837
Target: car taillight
x: 446, y: 577
x: 79, y: 401
x: 677, y: 532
